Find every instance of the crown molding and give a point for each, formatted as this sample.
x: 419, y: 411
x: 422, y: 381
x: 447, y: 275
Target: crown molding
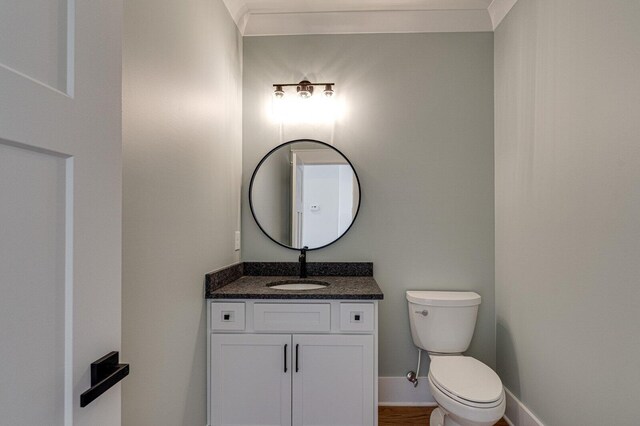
x: 498, y: 9
x: 362, y: 22
x: 255, y: 19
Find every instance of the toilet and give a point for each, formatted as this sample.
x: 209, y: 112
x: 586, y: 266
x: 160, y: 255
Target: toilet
x: 468, y: 392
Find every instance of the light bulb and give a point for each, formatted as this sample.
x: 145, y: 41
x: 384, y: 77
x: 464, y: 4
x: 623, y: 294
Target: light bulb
x: 305, y: 89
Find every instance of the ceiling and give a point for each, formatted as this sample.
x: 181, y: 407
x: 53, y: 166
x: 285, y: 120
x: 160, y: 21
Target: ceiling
x: 288, y: 17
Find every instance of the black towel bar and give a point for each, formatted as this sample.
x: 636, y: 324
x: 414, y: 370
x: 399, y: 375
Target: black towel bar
x: 105, y: 373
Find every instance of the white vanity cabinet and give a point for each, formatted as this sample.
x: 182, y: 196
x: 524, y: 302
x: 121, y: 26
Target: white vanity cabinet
x: 250, y: 380
x: 291, y: 362
x: 333, y: 380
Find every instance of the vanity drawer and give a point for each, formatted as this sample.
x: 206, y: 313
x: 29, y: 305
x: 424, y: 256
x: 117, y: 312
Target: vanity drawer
x: 292, y: 317
x: 227, y: 316
x: 356, y: 317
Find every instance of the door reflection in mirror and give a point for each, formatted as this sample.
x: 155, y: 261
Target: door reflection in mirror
x: 304, y: 193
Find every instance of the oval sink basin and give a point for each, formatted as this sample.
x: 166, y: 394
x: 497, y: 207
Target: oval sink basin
x: 298, y: 285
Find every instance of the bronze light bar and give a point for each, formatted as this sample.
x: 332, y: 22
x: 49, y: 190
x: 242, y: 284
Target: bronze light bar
x: 304, y: 88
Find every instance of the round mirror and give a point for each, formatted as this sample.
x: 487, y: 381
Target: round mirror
x: 304, y: 193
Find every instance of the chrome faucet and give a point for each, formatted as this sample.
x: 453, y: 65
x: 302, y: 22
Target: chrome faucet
x: 303, y: 261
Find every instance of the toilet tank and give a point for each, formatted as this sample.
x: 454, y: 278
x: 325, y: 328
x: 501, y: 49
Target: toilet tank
x: 443, y: 321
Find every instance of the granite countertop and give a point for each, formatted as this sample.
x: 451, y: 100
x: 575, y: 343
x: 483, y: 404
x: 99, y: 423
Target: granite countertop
x: 249, y: 280
x: 255, y: 287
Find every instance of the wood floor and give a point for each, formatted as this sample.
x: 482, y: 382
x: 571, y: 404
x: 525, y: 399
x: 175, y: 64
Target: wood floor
x: 410, y: 416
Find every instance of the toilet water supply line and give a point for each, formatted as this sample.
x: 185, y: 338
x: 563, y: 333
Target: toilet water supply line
x: 412, y: 376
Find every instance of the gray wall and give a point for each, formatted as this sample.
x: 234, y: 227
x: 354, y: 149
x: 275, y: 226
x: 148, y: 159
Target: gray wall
x: 182, y: 176
x: 568, y: 208
x: 419, y: 131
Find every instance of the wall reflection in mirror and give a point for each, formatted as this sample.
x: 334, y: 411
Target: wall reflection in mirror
x: 304, y: 193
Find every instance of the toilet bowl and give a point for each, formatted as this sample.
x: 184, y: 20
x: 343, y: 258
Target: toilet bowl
x: 468, y: 392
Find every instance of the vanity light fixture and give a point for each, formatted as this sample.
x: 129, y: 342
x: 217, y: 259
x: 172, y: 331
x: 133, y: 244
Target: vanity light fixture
x: 304, y: 89
x: 328, y: 90
x: 278, y: 92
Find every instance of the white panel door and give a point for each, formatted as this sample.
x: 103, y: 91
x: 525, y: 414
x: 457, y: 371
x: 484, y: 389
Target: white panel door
x: 60, y: 208
x: 32, y: 315
x: 333, y: 380
x: 251, y: 379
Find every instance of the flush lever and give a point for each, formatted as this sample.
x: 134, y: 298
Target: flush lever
x: 424, y: 313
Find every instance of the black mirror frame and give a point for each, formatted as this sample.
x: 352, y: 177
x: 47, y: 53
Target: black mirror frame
x: 255, y: 171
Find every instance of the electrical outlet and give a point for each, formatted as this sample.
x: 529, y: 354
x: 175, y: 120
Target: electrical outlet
x: 237, y: 241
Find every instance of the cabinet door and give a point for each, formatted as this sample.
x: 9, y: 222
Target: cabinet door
x: 333, y: 380
x: 251, y: 379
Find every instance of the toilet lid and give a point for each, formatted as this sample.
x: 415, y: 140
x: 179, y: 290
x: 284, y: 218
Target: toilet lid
x: 466, y: 378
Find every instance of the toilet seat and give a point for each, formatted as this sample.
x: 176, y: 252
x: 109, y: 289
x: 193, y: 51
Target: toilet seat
x: 464, y: 414
x: 467, y: 381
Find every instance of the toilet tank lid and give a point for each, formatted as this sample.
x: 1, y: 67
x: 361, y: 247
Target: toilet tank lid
x: 444, y: 298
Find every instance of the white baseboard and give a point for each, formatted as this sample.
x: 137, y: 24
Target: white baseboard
x: 517, y: 414
x: 398, y: 391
